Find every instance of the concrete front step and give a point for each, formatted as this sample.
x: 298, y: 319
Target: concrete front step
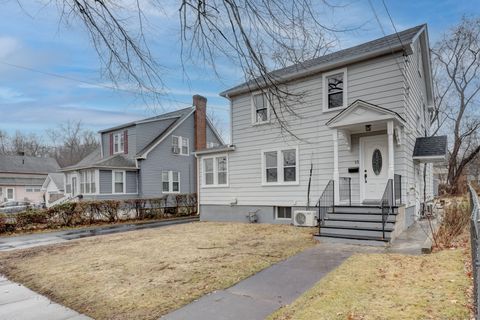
x: 359, y: 216
x: 353, y: 232
x: 358, y: 223
x: 359, y: 209
x: 369, y: 241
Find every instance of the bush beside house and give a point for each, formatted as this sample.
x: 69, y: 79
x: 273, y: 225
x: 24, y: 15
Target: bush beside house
x: 84, y: 213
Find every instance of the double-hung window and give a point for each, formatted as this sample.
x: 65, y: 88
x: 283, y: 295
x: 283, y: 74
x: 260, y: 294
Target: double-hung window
x: 335, y: 90
x: 118, y: 181
x: 215, y: 171
x: 261, y: 112
x: 170, y: 181
x: 118, y: 142
x: 180, y: 145
x: 87, y: 182
x: 280, y: 166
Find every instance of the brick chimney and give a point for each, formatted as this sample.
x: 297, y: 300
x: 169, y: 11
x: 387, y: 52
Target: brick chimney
x: 200, y: 104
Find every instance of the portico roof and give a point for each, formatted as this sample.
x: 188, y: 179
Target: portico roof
x: 362, y: 112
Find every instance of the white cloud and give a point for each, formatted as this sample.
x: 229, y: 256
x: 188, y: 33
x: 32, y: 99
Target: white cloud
x: 8, y: 47
x: 9, y: 95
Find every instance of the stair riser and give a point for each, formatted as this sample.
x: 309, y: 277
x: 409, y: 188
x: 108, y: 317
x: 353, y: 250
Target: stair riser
x: 357, y: 224
x: 377, y: 217
x: 353, y: 233
x: 359, y: 210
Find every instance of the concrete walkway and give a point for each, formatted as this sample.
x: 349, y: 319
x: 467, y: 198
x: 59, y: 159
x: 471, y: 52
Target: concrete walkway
x: 263, y: 293
x: 20, y: 303
x: 40, y: 239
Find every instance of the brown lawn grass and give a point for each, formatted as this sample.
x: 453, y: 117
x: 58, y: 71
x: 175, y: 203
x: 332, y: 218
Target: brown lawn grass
x: 145, y: 274
x: 388, y: 286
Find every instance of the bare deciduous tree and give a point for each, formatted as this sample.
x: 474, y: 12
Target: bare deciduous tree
x: 257, y: 36
x: 457, y: 56
x: 71, y: 142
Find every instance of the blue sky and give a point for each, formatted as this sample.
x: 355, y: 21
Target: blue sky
x: 32, y: 37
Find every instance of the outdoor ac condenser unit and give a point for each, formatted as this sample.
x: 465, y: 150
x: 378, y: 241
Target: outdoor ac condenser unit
x: 302, y: 218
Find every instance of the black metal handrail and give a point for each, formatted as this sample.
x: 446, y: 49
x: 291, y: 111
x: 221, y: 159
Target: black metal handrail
x: 397, y: 184
x: 386, y: 204
x: 345, y: 188
x: 325, y: 202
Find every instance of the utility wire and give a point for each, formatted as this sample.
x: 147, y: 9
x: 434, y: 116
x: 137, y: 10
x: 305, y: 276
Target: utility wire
x: 100, y: 85
x: 393, y: 24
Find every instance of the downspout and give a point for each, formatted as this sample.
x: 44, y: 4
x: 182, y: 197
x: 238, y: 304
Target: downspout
x: 198, y: 184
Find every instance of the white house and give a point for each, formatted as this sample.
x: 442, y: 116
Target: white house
x: 358, y: 125
x: 54, y: 187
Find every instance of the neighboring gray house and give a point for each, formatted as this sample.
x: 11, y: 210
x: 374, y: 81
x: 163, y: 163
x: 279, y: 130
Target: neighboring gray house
x: 146, y: 158
x: 359, y: 118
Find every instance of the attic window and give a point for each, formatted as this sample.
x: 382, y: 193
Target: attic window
x: 118, y: 142
x: 335, y: 90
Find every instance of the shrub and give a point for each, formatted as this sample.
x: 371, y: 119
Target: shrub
x: 456, y: 217
x: 89, y: 212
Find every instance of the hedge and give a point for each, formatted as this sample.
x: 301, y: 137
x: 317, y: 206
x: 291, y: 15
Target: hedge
x: 88, y: 212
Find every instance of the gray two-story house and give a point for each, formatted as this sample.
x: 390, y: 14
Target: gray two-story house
x: 145, y: 159
x: 357, y: 151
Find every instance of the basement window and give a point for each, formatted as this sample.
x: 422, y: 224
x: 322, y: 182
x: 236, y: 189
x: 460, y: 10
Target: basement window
x: 284, y: 213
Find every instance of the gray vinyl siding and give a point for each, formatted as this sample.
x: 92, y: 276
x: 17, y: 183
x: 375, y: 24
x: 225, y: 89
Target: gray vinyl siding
x: 378, y: 81
x: 415, y: 99
x: 105, y: 181
x: 161, y: 158
x: 212, y: 137
x: 131, y: 182
x: 148, y: 131
x: 132, y: 143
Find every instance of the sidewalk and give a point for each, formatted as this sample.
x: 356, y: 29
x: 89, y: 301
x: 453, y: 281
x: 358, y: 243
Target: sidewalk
x: 40, y: 239
x: 20, y: 303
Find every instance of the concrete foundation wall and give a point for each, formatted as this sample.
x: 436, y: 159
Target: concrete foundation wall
x: 410, y: 216
x: 265, y: 214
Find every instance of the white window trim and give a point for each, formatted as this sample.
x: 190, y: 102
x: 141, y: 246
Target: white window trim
x: 285, y: 219
x: 280, y: 177
x: 170, y: 182
x: 13, y: 193
x: 215, y: 172
x: 180, y: 145
x: 32, y: 189
x: 95, y: 181
x: 254, y: 110
x: 325, y: 89
x: 124, y: 182
x: 120, y: 135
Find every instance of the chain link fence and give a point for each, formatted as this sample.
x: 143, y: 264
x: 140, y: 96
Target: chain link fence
x: 474, y: 237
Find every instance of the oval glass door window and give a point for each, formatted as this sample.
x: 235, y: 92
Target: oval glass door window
x: 377, y: 162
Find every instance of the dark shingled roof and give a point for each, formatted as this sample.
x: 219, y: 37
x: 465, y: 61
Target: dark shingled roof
x: 94, y: 160
x: 430, y: 147
x: 404, y: 37
x: 168, y: 115
x: 12, y: 181
x: 26, y: 164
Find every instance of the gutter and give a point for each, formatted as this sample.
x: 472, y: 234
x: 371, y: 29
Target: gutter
x: 211, y: 151
x: 323, y: 67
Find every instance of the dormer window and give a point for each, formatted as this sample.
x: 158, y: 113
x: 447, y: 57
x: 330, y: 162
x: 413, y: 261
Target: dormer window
x: 261, y: 112
x: 118, y: 142
x: 334, y: 90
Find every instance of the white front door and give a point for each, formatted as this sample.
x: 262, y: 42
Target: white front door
x: 373, y: 167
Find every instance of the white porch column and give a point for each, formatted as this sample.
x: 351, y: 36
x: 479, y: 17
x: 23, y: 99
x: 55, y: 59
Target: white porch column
x: 391, y: 155
x: 336, y: 175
